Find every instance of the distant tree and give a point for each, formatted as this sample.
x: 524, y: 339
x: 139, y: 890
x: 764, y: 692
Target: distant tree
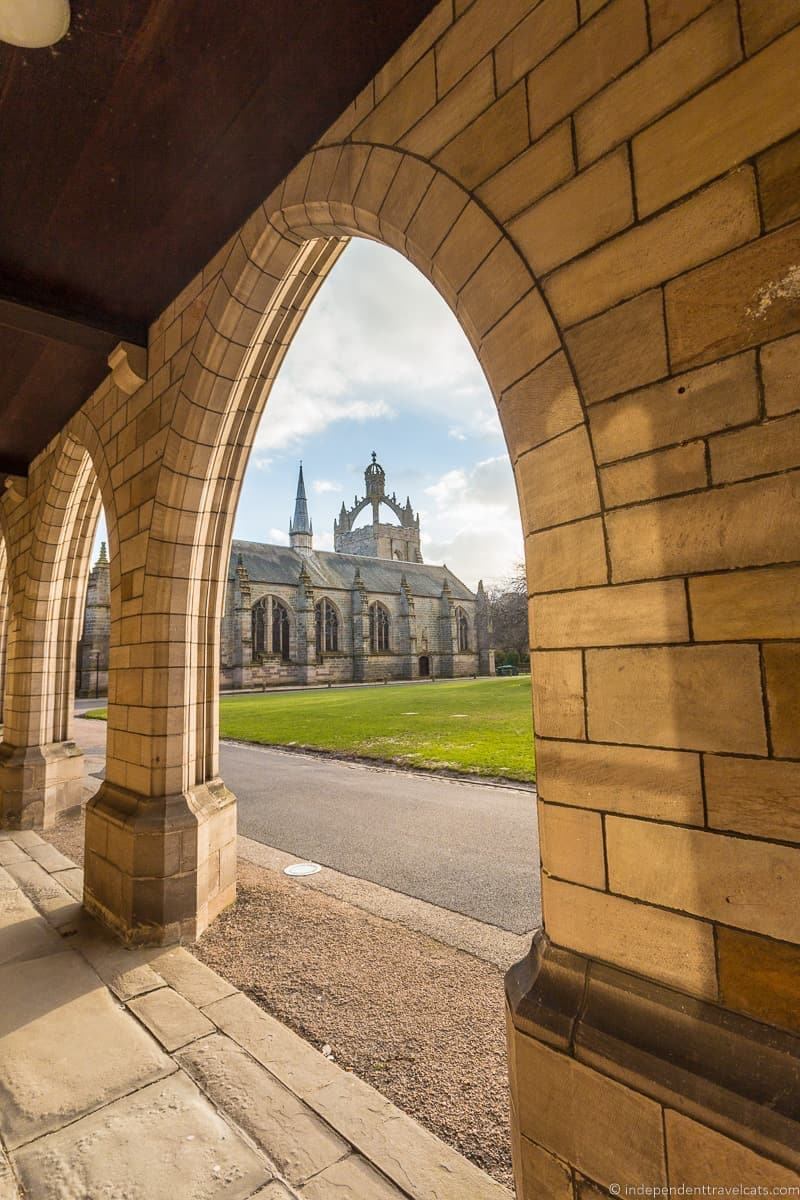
x: 508, y: 604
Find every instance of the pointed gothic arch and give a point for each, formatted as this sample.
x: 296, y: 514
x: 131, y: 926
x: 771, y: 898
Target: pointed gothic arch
x: 380, y: 624
x: 327, y: 627
x: 462, y: 630
x: 270, y: 628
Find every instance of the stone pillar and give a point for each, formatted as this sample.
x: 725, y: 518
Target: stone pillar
x: 241, y: 626
x: 93, y: 645
x: 407, y: 632
x: 448, y: 636
x: 306, y: 630
x: 483, y: 632
x: 361, y: 645
x: 3, y: 619
x: 41, y: 768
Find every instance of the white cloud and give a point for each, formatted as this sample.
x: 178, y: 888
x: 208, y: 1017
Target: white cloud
x: 476, y: 516
x: 382, y: 342
x: 321, y: 486
x: 279, y: 537
x: 295, y: 413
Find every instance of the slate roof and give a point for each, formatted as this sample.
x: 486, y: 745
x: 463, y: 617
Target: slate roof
x: 331, y: 570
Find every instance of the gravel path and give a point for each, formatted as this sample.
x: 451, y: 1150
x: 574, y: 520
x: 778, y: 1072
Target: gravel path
x: 420, y: 1021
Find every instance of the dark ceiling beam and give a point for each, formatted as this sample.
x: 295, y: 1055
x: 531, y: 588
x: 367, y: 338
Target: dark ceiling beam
x: 12, y: 466
x: 57, y: 328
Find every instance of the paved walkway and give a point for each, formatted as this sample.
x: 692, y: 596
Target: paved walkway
x: 145, y: 1074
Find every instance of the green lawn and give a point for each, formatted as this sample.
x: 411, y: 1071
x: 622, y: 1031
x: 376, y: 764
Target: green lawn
x: 478, y: 727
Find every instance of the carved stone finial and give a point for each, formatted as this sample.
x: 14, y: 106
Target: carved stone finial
x: 128, y: 367
x: 16, y: 486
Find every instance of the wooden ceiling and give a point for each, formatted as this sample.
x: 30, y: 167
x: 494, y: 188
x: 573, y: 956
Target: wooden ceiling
x: 132, y: 150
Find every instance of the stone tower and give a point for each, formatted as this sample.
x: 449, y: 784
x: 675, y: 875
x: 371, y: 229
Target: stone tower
x: 380, y: 539
x: 301, y: 531
x: 92, y: 665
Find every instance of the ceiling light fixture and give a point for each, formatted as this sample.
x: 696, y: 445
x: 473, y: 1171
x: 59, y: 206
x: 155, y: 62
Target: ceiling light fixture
x: 33, y: 24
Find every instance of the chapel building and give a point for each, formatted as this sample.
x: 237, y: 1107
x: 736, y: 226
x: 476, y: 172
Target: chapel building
x: 371, y: 609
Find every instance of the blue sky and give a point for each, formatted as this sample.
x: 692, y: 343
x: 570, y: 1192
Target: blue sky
x: 380, y: 363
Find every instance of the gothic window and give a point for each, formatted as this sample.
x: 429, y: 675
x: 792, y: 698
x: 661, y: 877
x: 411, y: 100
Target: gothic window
x: 270, y: 616
x: 462, y: 626
x: 326, y: 623
x: 378, y: 628
x: 280, y: 630
x: 259, y: 627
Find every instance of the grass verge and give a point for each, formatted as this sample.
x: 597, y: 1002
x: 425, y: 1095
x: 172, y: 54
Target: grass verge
x: 470, y: 726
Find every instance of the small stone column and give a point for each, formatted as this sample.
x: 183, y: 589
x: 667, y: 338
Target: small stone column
x: 361, y: 646
x: 41, y: 768
x: 407, y: 641
x: 306, y: 630
x: 3, y: 620
x: 242, y: 626
x: 484, y: 632
x: 93, y: 646
x: 448, y: 635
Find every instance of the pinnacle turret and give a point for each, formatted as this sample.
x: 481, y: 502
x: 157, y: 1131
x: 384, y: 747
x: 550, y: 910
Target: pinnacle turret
x: 301, y: 531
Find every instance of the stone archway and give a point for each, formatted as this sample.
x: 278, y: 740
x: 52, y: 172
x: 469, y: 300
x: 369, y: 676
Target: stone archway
x: 273, y: 271
x: 42, y: 768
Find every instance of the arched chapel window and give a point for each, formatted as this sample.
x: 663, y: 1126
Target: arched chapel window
x: 326, y: 622
x: 462, y: 627
x: 259, y: 627
x: 280, y: 629
x: 378, y: 628
x: 270, y: 627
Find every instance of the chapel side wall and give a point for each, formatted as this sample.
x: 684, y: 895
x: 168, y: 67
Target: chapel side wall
x: 338, y: 666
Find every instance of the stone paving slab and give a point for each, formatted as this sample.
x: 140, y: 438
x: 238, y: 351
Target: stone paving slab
x: 170, y: 1018
x: 289, y: 1133
x: 351, y: 1179
x: 51, y: 859
x: 23, y: 932
x: 92, y: 1107
x: 126, y: 972
x: 72, y: 880
x: 10, y: 852
x: 65, y: 1046
x: 8, y: 1184
x: 26, y: 838
x: 196, y: 982
x: 44, y: 891
x: 165, y: 1137
x: 290, y: 1059
x: 421, y: 1165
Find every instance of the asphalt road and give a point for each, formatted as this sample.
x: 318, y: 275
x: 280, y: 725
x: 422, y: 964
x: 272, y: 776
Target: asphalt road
x: 468, y: 847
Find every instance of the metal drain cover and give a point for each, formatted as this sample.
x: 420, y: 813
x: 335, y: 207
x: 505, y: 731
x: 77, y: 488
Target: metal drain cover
x: 306, y: 868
